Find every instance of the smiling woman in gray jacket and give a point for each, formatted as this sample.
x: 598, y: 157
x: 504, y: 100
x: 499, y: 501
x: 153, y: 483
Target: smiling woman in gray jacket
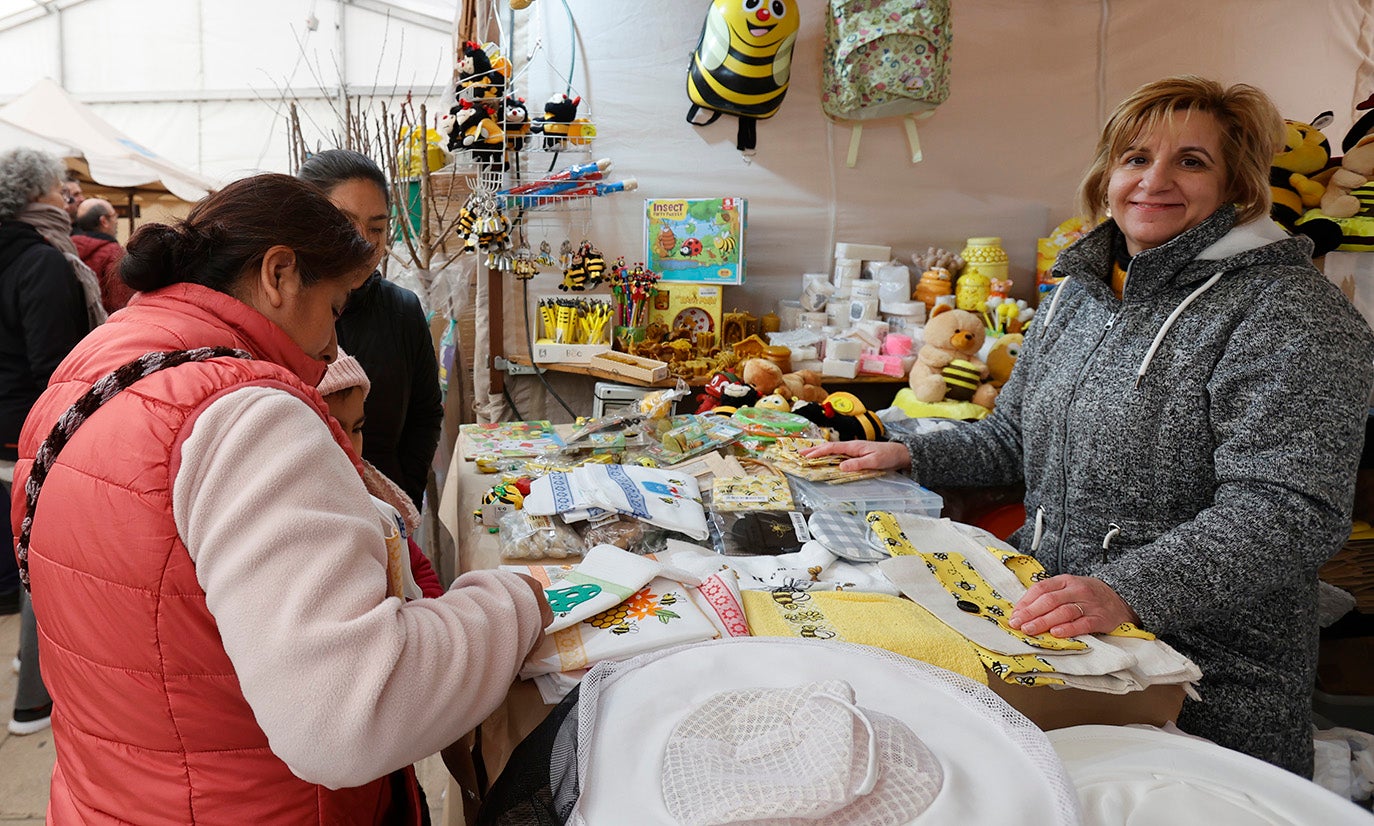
x: 1187, y: 416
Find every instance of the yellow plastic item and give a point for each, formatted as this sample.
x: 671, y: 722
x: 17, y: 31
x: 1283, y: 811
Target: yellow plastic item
x: 907, y: 402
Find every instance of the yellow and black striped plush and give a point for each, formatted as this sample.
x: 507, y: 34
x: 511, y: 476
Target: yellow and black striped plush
x: 743, y: 62
x: 1357, y: 231
x: 961, y: 379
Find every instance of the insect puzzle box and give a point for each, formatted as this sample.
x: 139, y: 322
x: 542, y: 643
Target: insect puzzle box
x: 695, y: 240
x: 697, y: 306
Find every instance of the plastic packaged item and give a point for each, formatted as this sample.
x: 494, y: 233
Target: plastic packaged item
x: 760, y: 532
x: 891, y: 492
x: 863, y: 252
x: 894, y: 283
x: 789, y: 313
x: 761, y: 421
x: 839, y: 368
x: 847, y: 271
x: 816, y: 290
x: 523, y: 536
x: 863, y: 288
x: 683, y: 437
x: 751, y: 492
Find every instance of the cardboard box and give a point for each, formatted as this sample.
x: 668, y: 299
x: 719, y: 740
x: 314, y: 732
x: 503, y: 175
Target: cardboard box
x: 566, y: 353
x: 633, y: 368
x: 547, y: 351
x: 691, y: 305
x: 1053, y: 708
x: 695, y: 240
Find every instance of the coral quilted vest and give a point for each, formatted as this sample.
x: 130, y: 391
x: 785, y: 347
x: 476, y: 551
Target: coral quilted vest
x: 149, y: 722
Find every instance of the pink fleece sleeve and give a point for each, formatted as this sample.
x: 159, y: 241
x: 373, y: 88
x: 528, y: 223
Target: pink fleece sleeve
x: 348, y: 683
x: 423, y: 572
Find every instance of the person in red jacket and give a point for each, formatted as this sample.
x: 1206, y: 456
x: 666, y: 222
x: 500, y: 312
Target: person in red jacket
x: 94, y: 236
x: 211, y: 578
x: 345, y: 387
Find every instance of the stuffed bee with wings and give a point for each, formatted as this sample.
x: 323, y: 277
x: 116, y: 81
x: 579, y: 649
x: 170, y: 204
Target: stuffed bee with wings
x: 742, y: 63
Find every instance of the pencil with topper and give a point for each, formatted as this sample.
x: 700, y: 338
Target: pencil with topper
x: 633, y: 288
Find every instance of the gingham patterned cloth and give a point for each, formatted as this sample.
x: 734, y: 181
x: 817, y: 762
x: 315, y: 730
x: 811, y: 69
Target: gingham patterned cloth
x: 846, y: 535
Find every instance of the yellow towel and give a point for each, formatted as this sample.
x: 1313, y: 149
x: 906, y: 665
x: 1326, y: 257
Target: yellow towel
x: 892, y: 623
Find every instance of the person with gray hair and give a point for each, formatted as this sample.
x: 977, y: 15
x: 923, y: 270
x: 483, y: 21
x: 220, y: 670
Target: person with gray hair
x: 94, y: 237
x: 43, y: 314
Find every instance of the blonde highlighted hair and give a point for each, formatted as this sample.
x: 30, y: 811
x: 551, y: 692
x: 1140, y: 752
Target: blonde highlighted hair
x: 1251, y: 132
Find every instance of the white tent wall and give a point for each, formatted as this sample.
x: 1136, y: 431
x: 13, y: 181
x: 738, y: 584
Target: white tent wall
x: 1032, y: 82
x: 204, y: 81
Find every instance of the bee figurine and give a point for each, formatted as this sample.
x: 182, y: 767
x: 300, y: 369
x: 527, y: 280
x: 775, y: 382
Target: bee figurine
x: 574, y: 275
x: 594, y: 263
x: 523, y: 265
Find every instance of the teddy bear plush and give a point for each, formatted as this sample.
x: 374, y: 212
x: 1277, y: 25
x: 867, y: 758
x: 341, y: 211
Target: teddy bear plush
x: 1356, y: 169
x: 949, y: 359
x: 767, y: 378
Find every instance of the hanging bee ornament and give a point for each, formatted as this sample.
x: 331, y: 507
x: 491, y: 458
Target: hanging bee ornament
x: 523, y: 265
x: 545, y: 256
x: 585, y: 270
x: 742, y: 63
x: 484, y: 228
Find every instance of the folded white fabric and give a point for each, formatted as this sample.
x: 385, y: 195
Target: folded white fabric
x: 606, y: 577
x: 813, y: 568
x: 802, y: 754
x: 718, y: 598
x: 1108, y: 663
x: 1148, y: 777
x: 659, y: 615
x: 665, y: 498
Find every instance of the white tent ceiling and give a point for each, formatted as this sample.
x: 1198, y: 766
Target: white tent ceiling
x: 205, y: 82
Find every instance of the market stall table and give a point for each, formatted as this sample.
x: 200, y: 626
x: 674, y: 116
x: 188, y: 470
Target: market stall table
x: 478, y: 548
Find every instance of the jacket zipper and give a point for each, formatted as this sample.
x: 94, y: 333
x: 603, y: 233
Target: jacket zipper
x: 1064, y: 450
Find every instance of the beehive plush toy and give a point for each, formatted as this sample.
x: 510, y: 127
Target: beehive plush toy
x: 949, y: 359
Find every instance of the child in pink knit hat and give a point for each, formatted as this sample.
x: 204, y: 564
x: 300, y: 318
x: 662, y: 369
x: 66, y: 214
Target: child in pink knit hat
x: 344, y: 387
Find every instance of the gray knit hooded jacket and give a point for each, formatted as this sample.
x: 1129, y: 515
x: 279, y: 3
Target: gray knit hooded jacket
x: 1194, y: 445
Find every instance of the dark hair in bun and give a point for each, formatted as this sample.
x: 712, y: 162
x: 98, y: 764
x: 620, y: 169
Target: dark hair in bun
x: 228, y: 233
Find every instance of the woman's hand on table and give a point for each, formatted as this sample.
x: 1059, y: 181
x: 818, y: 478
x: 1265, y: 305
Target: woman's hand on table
x: 1067, y: 606
x: 864, y: 455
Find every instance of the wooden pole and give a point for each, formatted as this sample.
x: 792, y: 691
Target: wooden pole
x: 132, y: 221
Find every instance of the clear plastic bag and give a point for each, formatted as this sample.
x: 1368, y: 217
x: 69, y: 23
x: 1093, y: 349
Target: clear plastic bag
x: 759, y: 532
x: 523, y: 536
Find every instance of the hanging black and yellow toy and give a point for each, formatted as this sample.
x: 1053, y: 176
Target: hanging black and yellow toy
x: 742, y: 63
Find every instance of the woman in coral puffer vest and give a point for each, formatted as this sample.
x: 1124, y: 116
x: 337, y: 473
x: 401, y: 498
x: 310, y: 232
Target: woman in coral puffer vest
x: 209, y: 574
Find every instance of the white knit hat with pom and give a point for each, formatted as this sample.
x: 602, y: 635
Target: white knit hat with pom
x: 344, y: 372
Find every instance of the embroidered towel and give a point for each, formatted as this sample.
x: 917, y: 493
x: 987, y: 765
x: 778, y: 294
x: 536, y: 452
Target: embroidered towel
x: 656, y: 616
x: 888, y: 622
x: 606, y: 577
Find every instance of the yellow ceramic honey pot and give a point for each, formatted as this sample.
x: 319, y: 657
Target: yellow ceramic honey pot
x: 984, y: 262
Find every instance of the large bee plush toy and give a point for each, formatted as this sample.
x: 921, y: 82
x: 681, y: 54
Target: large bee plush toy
x: 742, y: 63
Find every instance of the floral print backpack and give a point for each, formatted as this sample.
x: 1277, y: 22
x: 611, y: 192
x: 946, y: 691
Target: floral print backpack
x: 885, y: 58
